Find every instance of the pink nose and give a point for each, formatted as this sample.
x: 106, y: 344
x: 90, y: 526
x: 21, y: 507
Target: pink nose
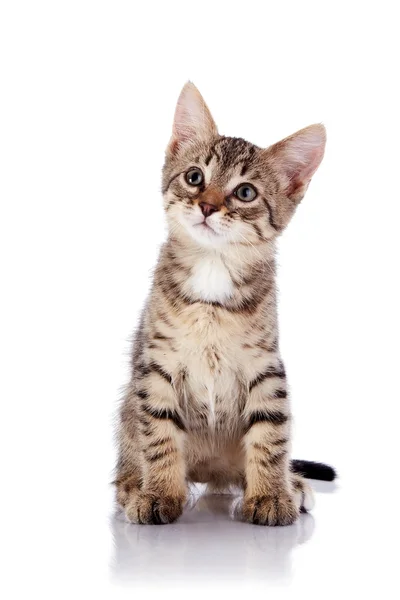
x: 207, y: 209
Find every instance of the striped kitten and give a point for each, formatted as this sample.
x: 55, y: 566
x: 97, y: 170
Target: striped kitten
x: 207, y: 401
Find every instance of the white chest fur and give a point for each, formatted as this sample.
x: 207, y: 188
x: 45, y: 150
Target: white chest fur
x: 210, y: 280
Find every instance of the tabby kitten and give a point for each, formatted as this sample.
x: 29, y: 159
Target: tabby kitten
x: 208, y: 401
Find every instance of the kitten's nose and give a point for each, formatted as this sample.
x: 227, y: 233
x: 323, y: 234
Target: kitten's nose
x: 207, y: 209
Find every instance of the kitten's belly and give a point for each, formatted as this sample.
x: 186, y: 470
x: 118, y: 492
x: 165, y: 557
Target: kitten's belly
x: 211, y: 388
x: 211, y: 385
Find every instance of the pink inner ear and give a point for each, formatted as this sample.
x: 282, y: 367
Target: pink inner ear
x: 300, y: 155
x: 304, y: 172
x: 184, y: 122
x: 192, y: 119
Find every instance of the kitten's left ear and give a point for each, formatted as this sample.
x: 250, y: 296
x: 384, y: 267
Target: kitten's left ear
x: 296, y: 159
x: 193, y: 120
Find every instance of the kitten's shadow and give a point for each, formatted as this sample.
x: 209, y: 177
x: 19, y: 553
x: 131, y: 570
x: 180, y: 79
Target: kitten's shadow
x: 209, y: 541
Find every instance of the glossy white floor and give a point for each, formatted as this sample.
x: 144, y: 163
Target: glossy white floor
x: 61, y: 538
x: 324, y: 553
x: 210, y: 543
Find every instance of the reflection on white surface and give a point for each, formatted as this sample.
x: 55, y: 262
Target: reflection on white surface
x: 324, y: 487
x: 209, y: 542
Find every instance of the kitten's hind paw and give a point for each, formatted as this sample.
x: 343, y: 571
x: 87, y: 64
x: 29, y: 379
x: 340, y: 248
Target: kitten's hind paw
x: 303, y: 494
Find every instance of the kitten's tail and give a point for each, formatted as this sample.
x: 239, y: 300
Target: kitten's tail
x: 313, y: 470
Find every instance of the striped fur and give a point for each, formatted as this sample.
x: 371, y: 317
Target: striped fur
x: 208, y: 397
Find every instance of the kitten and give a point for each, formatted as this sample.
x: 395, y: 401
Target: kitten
x: 208, y: 401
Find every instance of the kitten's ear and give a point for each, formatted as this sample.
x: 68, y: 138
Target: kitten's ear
x: 193, y: 120
x: 296, y: 159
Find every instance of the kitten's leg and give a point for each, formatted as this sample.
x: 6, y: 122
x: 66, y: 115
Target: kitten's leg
x: 303, y: 494
x: 269, y: 495
x: 129, y: 475
x: 160, y: 434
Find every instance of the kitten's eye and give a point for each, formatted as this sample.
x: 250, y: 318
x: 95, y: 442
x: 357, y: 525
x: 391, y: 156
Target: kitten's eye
x: 194, y: 177
x: 245, y: 192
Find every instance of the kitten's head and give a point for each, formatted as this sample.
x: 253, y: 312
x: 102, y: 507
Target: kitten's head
x: 220, y: 190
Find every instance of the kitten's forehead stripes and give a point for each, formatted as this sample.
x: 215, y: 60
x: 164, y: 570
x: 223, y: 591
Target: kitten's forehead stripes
x: 208, y: 159
x: 233, y: 152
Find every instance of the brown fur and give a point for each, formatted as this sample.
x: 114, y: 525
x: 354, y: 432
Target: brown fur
x: 208, y: 399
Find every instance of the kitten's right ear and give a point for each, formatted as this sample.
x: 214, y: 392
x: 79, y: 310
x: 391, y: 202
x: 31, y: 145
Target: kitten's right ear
x: 193, y: 120
x: 297, y: 157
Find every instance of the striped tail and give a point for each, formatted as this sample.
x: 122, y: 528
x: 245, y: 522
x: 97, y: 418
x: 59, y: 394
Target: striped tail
x: 313, y: 470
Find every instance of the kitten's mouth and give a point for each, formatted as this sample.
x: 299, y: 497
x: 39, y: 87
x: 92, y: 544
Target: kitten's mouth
x: 204, y: 226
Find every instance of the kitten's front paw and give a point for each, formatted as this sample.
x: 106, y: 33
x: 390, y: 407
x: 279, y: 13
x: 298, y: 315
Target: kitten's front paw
x: 270, y: 510
x: 151, y: 509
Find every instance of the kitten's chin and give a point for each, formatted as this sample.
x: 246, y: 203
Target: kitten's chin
x: 203, y: 234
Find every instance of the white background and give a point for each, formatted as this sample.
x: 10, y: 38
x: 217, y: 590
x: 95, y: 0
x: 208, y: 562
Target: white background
x: 86, y: 103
